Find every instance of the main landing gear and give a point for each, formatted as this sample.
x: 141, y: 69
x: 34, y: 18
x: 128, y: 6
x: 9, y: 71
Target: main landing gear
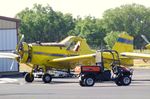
x: 29, y: 77
x: 46, y: 77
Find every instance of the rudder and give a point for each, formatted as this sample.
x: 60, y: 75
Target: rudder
x: 124, y: 44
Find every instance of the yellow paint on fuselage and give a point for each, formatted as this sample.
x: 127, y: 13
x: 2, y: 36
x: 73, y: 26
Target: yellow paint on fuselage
x: 148, y: 46
x: 43, y: 54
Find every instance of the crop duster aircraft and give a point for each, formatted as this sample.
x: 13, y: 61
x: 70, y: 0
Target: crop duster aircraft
x: 70, y: 52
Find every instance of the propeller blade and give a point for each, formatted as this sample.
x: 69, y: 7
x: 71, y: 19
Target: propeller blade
x: 22, y: 38
x: 20, y: 43
x: 8, y: 55
x: 145, y: 39
x: 12, y: 65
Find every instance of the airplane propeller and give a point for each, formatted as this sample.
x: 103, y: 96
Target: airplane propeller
x: 12, y: 64
x: 14, y: 54
x: 20, y: 46
x: 145, y: 39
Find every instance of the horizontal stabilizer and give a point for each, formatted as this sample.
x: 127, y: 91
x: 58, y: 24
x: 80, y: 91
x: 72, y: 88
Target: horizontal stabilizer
x: 135, y: 55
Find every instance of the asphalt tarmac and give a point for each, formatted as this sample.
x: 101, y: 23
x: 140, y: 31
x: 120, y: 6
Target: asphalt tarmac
x: 68, y: 88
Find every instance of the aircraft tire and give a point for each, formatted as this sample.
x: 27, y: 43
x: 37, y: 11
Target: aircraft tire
x: 29, y: 77
x: 47, y: 78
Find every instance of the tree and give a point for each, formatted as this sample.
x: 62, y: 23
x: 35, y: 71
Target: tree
x: 111, y: 38
x: 91, y: 29
x: 133, y: 19
x: 44, y: 24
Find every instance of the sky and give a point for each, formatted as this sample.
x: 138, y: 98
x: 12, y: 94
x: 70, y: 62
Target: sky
x: 81, y: 8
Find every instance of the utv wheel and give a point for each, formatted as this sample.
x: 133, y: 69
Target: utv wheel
x: 89, y: 81
x: 47, y: 78
x: 118, y: 83
x: 81, y: 82
x: 126, y: 80
x: 123, y: 81
x: 29, y: 77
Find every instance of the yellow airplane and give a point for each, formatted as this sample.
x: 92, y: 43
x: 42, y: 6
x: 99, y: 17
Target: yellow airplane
x: 70, y: 52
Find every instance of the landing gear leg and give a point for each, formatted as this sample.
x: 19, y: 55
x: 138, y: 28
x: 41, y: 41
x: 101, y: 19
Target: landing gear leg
x: 29, y: 77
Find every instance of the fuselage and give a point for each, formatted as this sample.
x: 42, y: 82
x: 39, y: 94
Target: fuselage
x: 43, y: 53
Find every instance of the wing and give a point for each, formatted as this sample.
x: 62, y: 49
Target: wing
x: 72, y: 61
x: 8, y: 55
x: 135, y: 55
x: 73, y: 58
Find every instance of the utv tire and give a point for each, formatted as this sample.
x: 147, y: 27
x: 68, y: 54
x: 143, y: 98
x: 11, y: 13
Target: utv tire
x: 89, y: 81
x: 123, y: 81
x: 81, y: 82
x: 126, y: 80
x: 118, y: 83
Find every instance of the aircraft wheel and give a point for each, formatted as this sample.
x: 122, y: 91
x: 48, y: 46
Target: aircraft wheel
x: 29, y: 77
x: 47, y: 78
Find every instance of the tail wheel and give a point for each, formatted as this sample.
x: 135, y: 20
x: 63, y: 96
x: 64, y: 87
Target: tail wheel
x: 29, y: 77
x: 89, y: 81
x: 47, y: 78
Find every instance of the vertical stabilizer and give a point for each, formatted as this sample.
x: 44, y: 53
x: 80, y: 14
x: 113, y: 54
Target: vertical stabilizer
x: 124, y: 43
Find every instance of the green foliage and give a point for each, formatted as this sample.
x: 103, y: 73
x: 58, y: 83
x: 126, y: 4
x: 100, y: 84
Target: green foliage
x: 134, y: 19
x: 91, y: 29
x: 44, y: 24
x: 111, y: 38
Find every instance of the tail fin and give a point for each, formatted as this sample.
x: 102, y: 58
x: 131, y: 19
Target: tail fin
x: 124, y: 43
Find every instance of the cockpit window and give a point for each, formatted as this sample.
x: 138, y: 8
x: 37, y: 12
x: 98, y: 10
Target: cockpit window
x: 74, y: 46
x: 71, y: 46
